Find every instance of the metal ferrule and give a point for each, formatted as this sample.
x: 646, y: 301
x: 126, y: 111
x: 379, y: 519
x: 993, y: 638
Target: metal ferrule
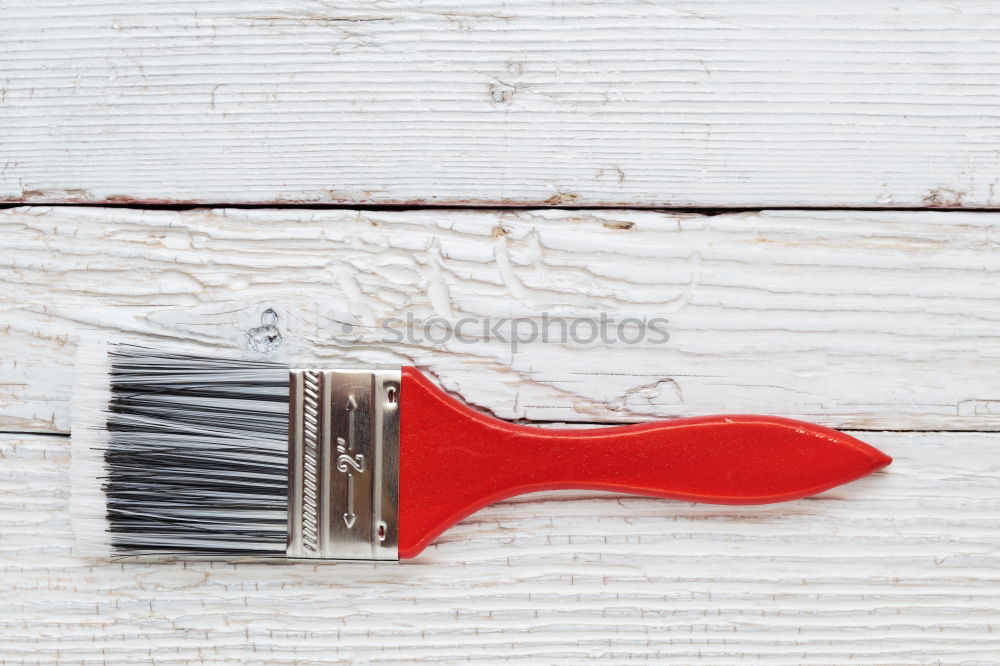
x: 343, y: 464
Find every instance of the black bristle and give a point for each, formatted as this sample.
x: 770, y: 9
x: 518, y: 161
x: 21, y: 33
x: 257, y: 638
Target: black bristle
x: 196, y: 456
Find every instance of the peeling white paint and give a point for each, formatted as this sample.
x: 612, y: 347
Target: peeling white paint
x: 896, y: 568
x: 717, y: 103
x: 850, y: 319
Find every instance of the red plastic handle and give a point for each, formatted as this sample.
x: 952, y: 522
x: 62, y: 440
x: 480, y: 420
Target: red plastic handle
x: 455, y: 460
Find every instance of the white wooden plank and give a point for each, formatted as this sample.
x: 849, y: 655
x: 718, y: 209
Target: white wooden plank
x: 873, y: 320
x: 899, y: 568
x: 623, y: 102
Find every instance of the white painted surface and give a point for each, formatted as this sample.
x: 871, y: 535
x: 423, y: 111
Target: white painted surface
x: 882, y: 320
x: 681, y: 103
x: 852, y: 319
x: 856, y: 320
x: 899, y: 568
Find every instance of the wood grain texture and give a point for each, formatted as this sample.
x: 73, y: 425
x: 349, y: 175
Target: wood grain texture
x: 715, y: 103
x: 899, y: 568
x: 872, y: 320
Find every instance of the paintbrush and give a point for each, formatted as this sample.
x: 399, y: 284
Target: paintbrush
x: 188, y: 455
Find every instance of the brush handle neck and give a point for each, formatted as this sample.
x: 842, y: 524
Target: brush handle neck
x: 455, y: 460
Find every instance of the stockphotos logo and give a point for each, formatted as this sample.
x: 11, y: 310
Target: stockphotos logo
x: 602, y: 330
